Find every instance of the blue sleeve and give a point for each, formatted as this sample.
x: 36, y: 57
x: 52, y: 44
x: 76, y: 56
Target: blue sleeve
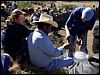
x: 47, y: 47
x: 70, y: 19
x: 75, y: 14
x: 72, y: 16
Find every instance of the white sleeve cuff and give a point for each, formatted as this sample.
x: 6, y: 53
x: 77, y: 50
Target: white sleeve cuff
x: 61, y: 49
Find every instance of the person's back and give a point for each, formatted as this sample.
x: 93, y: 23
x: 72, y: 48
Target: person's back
x: 14, y: 35
x: 75, y: 23
x: 35, y: 39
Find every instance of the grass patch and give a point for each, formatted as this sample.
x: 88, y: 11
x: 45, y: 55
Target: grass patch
x: 67, y: 6
x: 24, y: 4
x: 57, y: 40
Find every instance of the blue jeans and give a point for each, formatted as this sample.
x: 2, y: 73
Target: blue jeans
x: 95, y: 46
x: 83, y: 47
x: 56, y: 63
x: 59, y: 62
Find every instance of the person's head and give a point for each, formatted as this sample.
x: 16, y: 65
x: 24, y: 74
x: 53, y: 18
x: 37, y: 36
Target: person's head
x: 44, y: 27
x: 87, y: 14
x: 45, y: 23
x: 18, y: 16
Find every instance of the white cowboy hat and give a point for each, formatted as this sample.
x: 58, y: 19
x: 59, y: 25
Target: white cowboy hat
x: 80, y: 56
x: 45, y: 18
x: 17, y: 10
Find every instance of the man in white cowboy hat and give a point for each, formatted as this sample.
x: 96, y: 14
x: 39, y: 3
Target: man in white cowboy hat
x: 79, y: 22
x: 42, y: 52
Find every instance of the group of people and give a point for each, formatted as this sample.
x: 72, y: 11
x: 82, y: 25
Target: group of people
x: 60, y: 16
x: 19, y: 41
x: 7, y: 7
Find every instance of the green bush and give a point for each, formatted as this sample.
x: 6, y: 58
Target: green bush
x: 23, y: 4
x: 69, y: 7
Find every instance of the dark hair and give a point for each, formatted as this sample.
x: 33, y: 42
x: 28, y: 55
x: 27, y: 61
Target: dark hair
x: 41, y: 25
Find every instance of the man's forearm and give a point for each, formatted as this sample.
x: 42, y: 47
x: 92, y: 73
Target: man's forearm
x: 67, y: 31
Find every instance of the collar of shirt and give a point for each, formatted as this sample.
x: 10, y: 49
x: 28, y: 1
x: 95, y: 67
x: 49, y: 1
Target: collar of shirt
x: 38, y: 30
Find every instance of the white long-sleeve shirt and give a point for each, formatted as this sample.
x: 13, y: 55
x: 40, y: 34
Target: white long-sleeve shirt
x: 41, y: 49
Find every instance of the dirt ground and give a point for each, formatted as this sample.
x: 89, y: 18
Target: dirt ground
x: 79, y: 3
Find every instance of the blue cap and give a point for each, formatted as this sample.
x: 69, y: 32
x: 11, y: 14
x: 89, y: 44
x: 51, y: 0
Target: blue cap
x: 87, y: 14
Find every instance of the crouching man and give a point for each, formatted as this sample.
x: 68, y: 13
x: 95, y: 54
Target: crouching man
x: 42, y: 52
x: 80, y: 21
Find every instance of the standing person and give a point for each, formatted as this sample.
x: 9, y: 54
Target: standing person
x: 35, y: 16
x: 42, y: 52
x: 13, y: 37
x: 95, y: 46
x: 79, y: 22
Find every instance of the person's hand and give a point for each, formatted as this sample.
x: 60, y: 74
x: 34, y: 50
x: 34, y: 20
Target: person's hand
x: 68, y: 38
x: 79, y: 42
x: 69, y: 46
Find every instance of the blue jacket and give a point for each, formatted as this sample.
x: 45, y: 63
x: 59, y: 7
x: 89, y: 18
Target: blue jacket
x: 5, y: 63
x: 75, y: 24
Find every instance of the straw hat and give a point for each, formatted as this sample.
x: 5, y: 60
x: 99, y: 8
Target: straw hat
x: 45, y: 18
x: 80, y: 56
